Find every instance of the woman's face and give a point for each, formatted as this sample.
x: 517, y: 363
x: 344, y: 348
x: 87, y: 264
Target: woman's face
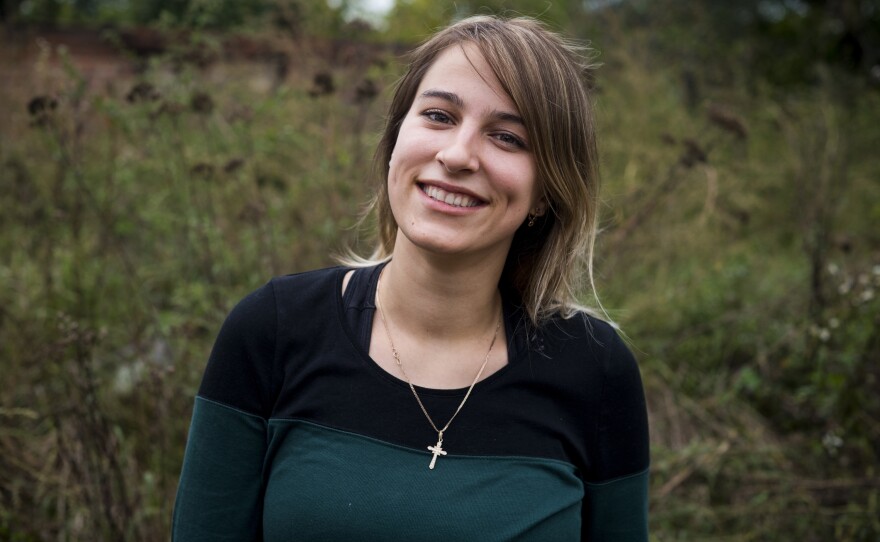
x: 462, y: 177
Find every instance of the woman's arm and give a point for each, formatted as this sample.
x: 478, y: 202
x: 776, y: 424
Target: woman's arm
x: 616, y: 497
x: 219, y: 496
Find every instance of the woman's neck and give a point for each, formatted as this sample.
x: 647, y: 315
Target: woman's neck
x: 441, y: 296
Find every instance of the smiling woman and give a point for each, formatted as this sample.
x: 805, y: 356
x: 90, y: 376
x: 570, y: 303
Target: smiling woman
x: 483, y: 402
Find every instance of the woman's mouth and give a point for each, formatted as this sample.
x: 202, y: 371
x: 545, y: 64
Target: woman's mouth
x: 449, y: 198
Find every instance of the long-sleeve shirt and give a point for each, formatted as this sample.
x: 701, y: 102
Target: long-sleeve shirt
x: 298, y: 435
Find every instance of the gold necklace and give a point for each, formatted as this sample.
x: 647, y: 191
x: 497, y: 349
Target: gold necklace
x: 437, y: 450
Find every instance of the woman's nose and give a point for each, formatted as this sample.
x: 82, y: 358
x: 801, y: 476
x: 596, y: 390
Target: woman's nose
x: 459, y: 153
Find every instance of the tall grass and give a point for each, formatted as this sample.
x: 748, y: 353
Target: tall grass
x: 134, y: 217
x: 741, y: 255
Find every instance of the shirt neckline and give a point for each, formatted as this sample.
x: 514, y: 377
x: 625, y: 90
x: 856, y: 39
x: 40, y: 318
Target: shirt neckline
x: 513, y: 326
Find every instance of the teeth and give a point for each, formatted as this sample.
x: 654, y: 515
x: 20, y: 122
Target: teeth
x: 456, y: 200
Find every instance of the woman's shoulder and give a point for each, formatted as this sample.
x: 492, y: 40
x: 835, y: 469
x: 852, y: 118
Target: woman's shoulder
x: 585, y: 327
x: 283, y: 289
x: 591, y: 341
x: 257, y: 316
x: 242, y: 369
x: 307, y: 281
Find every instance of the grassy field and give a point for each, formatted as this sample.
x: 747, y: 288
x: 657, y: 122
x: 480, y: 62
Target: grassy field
x: 140, y: 201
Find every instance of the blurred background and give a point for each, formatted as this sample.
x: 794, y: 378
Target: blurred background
x: 159, y: 159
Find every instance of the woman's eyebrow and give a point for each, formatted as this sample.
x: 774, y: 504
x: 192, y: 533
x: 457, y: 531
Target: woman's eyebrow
x: 509, y: 117
x: 444, y: 95
x: 456, y: 99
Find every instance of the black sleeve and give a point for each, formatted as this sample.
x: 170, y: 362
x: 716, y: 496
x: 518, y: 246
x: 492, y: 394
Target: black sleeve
x: 616, y: 498
x: 242, y: 371
x: 622, y: 432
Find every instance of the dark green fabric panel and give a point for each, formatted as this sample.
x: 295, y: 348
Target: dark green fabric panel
x: 618, y: 510
x: 330, y: 485
x: 219, y: 495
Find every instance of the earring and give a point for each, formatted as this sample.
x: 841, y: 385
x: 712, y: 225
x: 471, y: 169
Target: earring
x: 532, y: 216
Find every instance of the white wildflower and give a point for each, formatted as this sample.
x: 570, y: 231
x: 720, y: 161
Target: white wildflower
x: 831, y: 442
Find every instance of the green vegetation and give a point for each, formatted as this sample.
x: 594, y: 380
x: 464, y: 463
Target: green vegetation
x: 740, y: 251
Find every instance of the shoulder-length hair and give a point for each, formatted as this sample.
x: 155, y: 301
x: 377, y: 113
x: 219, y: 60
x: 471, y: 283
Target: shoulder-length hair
x: 546, y: 77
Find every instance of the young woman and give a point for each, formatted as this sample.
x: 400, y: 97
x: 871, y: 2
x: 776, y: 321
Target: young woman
x: 450, y: 388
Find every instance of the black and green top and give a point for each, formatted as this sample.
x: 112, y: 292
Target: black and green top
x: 298, y: 435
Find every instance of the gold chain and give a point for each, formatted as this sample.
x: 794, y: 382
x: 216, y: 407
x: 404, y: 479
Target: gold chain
x: 437, y: 450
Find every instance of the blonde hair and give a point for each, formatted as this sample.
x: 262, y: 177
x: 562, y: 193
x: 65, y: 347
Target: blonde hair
x: 545, y: 76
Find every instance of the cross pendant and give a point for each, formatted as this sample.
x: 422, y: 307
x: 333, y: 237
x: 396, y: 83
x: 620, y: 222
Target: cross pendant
x: 437, y: 451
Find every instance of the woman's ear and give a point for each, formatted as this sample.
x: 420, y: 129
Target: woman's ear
x: 540, y: 207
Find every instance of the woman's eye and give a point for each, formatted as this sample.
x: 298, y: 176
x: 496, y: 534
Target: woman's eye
x: 437, y: 116
x: 510, y: 139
